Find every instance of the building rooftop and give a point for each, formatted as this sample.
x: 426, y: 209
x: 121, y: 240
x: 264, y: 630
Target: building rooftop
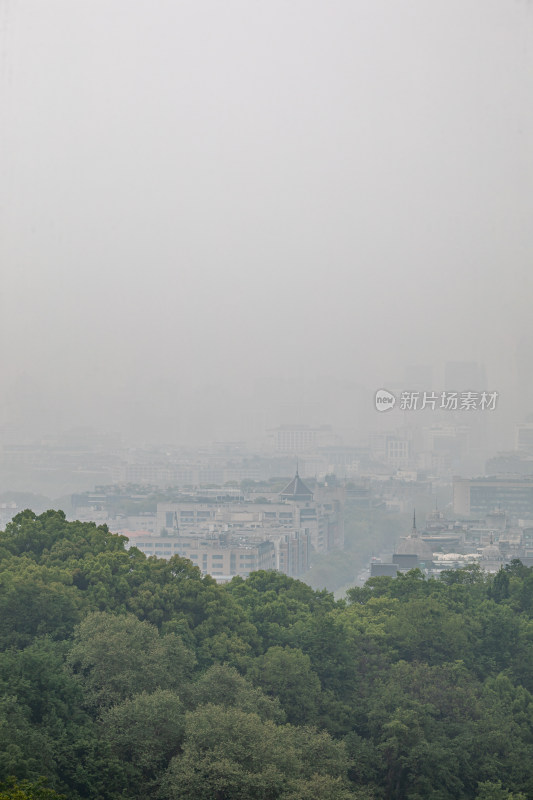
x: 297, y: 490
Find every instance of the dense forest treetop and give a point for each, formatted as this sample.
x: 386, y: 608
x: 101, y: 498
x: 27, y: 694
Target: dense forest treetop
x: 126, y: 676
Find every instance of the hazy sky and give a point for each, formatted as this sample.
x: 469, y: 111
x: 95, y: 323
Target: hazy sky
x: 209, y: 208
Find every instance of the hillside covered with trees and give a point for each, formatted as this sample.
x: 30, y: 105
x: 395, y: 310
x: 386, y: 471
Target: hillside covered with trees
x: 123, y: 676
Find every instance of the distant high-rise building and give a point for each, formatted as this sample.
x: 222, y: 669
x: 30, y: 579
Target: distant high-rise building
x: 478, y: 496
x: 302, y: 438
x: 524, y: 437
x: 470, y: 376
x: 465, y: 376
x: 418, y: 378
x: 523, y: 379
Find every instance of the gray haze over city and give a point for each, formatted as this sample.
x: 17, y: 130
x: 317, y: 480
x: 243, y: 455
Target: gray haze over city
x: 222, y: 218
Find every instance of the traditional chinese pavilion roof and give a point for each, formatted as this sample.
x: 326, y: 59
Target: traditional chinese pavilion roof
x: 297, y: 490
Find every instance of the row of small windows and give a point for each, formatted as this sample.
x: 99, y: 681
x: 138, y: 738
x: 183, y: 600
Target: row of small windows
x: 214, y: 557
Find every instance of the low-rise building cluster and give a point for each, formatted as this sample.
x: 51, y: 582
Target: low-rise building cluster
x: 490, y: 541
x: 226, y: 536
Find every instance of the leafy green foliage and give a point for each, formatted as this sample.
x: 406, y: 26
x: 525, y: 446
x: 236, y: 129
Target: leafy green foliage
x: 144, y: 733
x: 231, y: 754
x: 26, y: 790
x: 114, y: 657
x: 282, y: 672
x: 222, y: 685
x: 123, y: 676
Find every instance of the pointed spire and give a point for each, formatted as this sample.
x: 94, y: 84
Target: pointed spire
x: 297, y: 467
x: 414, y: 522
